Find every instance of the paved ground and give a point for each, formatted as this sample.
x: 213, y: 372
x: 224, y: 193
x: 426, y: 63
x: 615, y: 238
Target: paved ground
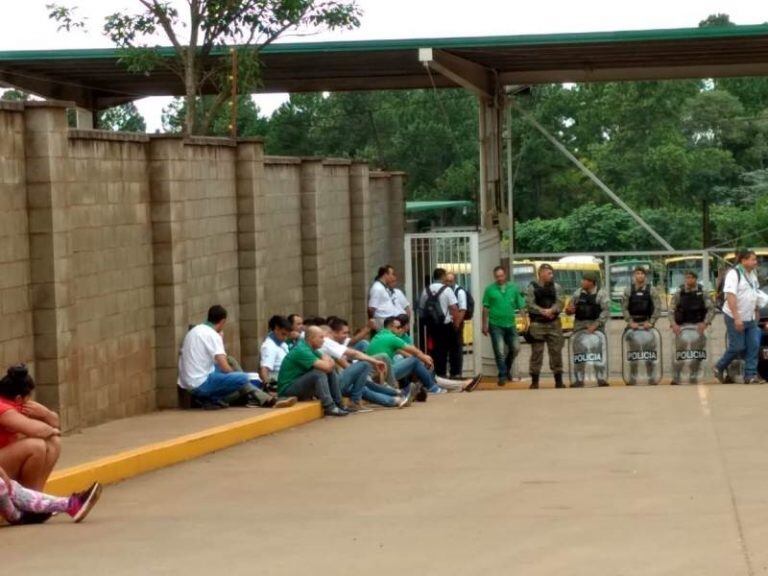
x: 618, y: 481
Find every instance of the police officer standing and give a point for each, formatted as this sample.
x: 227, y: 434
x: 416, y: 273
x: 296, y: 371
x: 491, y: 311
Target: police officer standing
x: 545, y: 300
x: 691, y: 306
x: 592, y: 308
x: 641, y: 307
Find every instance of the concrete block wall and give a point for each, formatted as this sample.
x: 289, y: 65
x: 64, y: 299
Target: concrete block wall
x: 112, y: 244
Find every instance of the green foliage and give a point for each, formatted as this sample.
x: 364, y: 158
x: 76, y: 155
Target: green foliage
x: 124, y: 118
x: 14, y: 95
x: 249, y: 120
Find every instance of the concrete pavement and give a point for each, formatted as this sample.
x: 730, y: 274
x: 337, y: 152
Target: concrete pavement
x: 616, y: 481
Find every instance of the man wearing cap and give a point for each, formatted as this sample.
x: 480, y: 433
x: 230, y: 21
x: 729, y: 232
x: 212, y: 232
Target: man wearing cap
x: 591, y: 307
x: 641, y: 307
x: 545, y: 300
x: 691, y: 307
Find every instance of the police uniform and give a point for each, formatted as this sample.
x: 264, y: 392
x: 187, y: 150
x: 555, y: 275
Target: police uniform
x: 545, y: 330
x: 641, y: 304
x: 591, y: 308
x: 690, y: 308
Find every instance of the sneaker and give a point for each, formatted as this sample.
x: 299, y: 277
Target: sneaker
x: 501, y: 382
x: 602, y: 383
x: 335, y: 411
x: 357, y: 408
x: 674, y: 383
x: 28, y: 518
x: 473, y: 383
x: 285, y: 402
x: 754, y: 380
x: 718, y: 374
x: 421, y: 395
x: 577, y: 385
x: 81, y: 503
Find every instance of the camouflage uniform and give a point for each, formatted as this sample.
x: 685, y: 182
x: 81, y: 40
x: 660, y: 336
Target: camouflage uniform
x: 577, y: 347
x: 549, y: 333
x: 685, y: 342
x: 641, y: 344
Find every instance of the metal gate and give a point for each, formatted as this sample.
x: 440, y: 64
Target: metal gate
x: 456, y: 252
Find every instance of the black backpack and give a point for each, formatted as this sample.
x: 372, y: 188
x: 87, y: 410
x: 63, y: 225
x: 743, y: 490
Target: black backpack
x: 432, y: 313
x: 470, y: 303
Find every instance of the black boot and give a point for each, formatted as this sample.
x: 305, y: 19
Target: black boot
x: 559, y: 380
x: 534, y: 382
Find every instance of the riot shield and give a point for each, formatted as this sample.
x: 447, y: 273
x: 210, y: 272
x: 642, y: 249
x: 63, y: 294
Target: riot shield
x: 690, y: 355
x: 641, y: 354
x: 589, y: 358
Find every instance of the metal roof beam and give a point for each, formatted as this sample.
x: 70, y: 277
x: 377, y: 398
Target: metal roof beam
x: 469, y: 75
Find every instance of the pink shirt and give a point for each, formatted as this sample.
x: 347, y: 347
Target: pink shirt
x: 7, y: 436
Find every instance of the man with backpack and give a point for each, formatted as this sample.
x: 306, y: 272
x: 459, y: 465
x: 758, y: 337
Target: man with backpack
x: 440, y: 313
x: 740, y: 312
x: 466, y: 306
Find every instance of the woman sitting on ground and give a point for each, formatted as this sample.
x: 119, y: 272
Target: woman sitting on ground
x: 19, y: 505
x: 30, y: 441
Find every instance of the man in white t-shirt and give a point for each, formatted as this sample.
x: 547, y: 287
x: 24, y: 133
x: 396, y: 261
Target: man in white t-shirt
x: 740, y: 313
x: 401, y: 303
x: 442, y: 332
x: 456, y: 350
x: 274, y: 349
x: 207, y: 375
x: 382, y: 298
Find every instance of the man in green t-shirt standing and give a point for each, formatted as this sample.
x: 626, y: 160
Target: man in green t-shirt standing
x: 501, y: 301
x: 305, y: 373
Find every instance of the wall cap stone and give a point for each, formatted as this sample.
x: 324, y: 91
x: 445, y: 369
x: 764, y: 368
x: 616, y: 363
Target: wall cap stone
x: 337, y: 162
x: 209, y: 141
x: 49, y: 104
x: 107, y: 135
x: 252, y: 140
x: 11, y: 106
x: 282, y: 160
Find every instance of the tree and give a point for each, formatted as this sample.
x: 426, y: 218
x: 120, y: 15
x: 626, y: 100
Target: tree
x: 249, y: 120
x: 124, y: 118
x: 14, y: 95
x: 200, y: 31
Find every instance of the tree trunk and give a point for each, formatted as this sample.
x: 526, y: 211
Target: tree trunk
x: 190, y: 93
x: 706, y: 233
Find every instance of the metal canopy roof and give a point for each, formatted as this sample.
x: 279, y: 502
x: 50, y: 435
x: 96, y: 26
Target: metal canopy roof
x: 96, y: 79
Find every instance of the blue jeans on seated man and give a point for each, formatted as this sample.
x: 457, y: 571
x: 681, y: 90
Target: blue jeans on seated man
x: 228, y: 386
x: 746, y: 343
x: 316, y: 384
x: 501, y: 338
x: 381, y: 395
x: 352, y: 380
x: 412, y: 366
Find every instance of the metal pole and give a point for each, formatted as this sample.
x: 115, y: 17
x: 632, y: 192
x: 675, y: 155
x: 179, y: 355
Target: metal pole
x: 556, y: 143
x: 233, y: 126
x: 510, y: 195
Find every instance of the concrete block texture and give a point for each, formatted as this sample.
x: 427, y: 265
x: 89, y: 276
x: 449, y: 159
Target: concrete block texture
x: 112, y: 245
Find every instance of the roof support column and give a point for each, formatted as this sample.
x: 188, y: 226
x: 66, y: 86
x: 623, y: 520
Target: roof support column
x: 84, y: 118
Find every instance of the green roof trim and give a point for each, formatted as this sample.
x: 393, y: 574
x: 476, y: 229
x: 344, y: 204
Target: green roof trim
x: 428, y: 205
x: 671, y: 34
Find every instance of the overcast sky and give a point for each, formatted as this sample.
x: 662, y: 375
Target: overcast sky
x: 26, y: 26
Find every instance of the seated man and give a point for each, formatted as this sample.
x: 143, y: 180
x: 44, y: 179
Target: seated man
x: 207, y: 375
x: 274, y: 349
x: 355, y: 378
x: 297, y: 329
x: 305, y: 373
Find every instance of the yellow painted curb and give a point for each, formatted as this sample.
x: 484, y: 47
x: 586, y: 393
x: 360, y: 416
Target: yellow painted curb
x: 162, y: 454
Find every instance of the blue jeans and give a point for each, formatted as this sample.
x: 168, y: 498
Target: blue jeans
x: 353, y: 379
x: 746, y: 343
x: 361, y: 346
x: 502, y: 337
x: 219, y: 385
x: 316, y: 384
x: 412, y: 366
x: 378, y: 394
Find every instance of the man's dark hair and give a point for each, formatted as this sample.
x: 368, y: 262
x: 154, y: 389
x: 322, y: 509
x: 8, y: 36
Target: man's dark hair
x: 315, y: 321
x: 292, y: 317
x: 404, y: 319
x: 281, y: 322
x: 384, y: 270
x: 16, y: 382
x: 744, y: 254
x: 390, y: 320
x: 692, y: 273
x: 335, y: 323
x: 498, y: 268
x: 641, y: 269
x: 216, y: 314
x: 439, y: 274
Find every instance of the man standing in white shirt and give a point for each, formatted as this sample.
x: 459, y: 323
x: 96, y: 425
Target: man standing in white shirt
x: 456, y: 350
x: 440, y: 313
x: 207, y: 375
x: 741, y: 318
x: 382, y: 298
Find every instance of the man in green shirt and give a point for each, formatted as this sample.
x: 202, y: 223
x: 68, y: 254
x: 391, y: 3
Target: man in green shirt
x: 501, y: 301
x: 305, y: 374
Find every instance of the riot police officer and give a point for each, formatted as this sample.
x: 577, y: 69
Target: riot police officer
x: 641, y: 307
x: 691, y: 306
x: 592, y: 308
x: 544, y: 300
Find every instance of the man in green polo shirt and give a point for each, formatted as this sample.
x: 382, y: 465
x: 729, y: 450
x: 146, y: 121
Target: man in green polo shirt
x: 501, y: 301
x: 305, y: 374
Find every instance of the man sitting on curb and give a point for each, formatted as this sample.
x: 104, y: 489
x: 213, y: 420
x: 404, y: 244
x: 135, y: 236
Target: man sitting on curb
x: 305, y: 373
x: 207, y: 375
x: 273, y: 350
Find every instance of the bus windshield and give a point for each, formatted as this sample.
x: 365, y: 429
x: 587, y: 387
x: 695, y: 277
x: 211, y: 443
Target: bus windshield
x: 523, y: 275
